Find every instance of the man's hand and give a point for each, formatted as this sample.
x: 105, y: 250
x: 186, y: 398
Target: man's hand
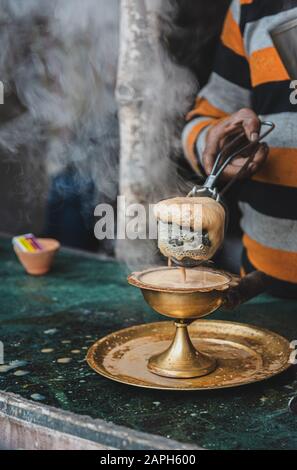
x: 248, y: 287
x: 227, y: 129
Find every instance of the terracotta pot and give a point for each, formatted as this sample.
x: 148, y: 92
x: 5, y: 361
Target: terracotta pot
x: 40, y: 262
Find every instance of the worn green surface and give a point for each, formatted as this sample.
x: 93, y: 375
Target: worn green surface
x: 46, y: 319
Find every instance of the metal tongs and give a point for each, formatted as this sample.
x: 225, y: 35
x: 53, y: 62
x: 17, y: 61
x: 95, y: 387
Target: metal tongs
x: 209, y: 188
x: 224, y: 158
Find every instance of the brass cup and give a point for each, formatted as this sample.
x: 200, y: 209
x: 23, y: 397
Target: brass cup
x: 182, y: 359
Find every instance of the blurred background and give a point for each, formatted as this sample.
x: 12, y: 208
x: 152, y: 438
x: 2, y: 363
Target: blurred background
x: 71, y: 95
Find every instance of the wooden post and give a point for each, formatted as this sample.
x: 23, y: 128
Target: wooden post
x: 152, y: 93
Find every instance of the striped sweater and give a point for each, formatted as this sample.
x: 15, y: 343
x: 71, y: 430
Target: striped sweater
x: 248, y: 72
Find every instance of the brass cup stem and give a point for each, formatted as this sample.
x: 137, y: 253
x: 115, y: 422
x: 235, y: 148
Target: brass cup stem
x: 181, y: 359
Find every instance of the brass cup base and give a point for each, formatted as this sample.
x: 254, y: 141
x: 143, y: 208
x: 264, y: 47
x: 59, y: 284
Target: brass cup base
x: 181, y: 360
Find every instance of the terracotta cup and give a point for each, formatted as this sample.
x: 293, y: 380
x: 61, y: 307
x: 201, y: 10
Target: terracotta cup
x: 39, y: 262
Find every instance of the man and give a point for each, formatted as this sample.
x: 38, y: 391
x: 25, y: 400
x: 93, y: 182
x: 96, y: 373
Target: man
x: 250, y: 83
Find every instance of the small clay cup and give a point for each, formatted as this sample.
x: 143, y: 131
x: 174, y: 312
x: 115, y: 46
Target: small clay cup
x: 39, y: 262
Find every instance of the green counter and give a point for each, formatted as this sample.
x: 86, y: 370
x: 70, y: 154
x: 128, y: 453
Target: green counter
x: 48, y: 323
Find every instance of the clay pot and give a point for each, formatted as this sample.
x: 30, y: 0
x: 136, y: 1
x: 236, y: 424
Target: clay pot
x: 40, y: 262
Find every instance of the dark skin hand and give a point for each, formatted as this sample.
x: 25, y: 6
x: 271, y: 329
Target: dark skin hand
x: 244, y: 121
x: 249, y: 286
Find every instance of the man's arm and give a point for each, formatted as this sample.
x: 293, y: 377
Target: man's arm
x: 251, y: 285
x: 223, y: 107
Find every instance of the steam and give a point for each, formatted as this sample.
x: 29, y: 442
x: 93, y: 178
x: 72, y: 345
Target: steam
x: 169, y: 92
x: 59, y: 59
x: 165, y: 91
x: 58, y: 63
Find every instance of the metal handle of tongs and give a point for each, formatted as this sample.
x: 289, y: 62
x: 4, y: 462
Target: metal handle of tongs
x: 210, y: 183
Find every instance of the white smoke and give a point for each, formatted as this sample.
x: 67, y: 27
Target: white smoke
x: 163, y: 92
x: 168, y: 91
x: 59, y: 58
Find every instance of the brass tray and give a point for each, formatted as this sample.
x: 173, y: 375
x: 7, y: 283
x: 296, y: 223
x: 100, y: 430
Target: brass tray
x: 245, y: 354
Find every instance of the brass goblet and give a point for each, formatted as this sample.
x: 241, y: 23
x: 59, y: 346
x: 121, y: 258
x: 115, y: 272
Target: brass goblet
x: 184, y: 304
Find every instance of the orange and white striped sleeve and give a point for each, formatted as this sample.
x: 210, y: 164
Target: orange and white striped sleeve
x: 228, y: 90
